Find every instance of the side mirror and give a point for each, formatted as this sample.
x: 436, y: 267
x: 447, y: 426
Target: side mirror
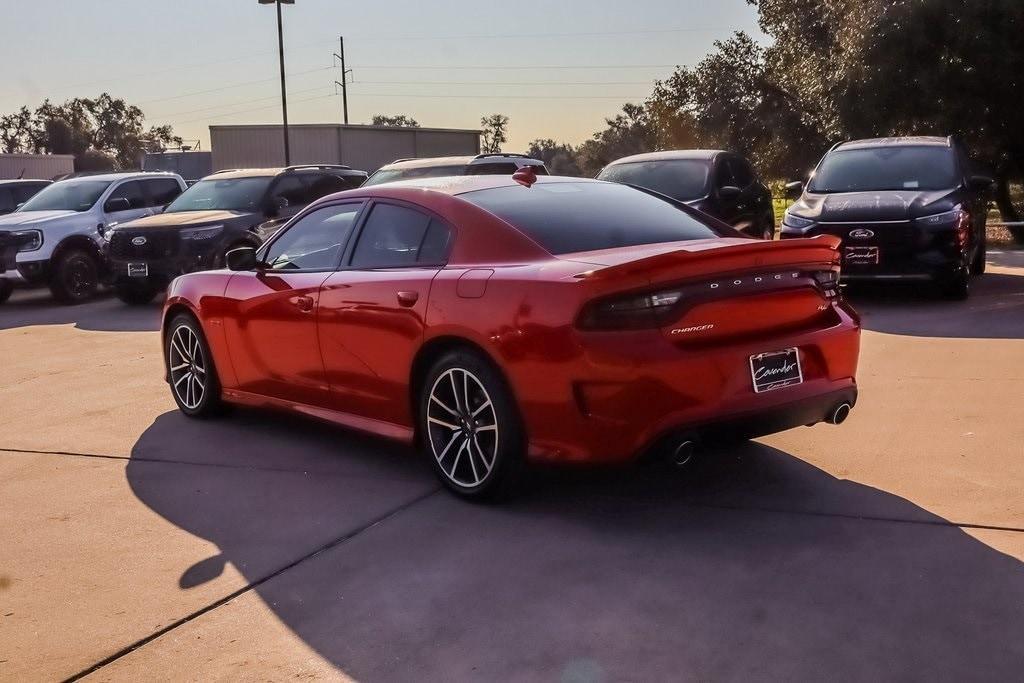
x: 117, y: 204
x: 242, y: 258
x: 729, y: 192
x: 980, y: 183
x: 794, y: 189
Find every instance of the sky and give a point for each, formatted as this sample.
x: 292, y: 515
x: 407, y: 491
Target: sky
x: 556, y: 69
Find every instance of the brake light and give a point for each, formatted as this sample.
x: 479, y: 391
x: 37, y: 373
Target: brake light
x: 631, y: 312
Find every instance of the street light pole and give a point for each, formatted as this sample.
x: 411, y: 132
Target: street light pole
x: 284, y: 90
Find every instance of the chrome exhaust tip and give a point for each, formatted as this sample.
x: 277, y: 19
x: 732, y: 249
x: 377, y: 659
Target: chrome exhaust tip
x: 839, y: 414
x: 683, y: 453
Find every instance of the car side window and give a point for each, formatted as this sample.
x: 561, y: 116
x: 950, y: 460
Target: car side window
x: 323, y: 184
x: 161, y: 191
x: 291, y: 189
x: 493, y: 168
x: 7, y: 202
x: 132, y: 191
x: 22, y: 193
x: 723, y: 175
x: 395, y: 236
x: 742, y: 173
x: 315, y: 241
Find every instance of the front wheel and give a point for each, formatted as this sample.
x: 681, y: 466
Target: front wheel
x: 75, y: 277
x: 956, y: 286
x: 135, y: 293
x: 470, y: 427
x: 193, y: 378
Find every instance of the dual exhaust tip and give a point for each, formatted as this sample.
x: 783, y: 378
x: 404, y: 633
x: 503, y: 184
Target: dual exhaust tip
x: 683, y: 453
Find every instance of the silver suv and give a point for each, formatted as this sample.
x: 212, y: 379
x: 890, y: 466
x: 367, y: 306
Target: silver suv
x: 55, y: 238
x: 481, y: 164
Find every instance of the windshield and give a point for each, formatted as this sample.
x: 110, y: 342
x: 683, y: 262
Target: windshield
x: 391, y: 175
x: 886, y: 168
x: 68, y: 195
x: 682, y: 179
x: 571, y: 217
x: 226, y: 194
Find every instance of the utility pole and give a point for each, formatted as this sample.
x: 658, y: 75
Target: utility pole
x: 344, y: 78
x: 284, y: 90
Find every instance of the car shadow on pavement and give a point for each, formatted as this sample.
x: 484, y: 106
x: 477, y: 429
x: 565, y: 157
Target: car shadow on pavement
x: 105, y: 313
x: 752, y: 564
x: 995, y: 309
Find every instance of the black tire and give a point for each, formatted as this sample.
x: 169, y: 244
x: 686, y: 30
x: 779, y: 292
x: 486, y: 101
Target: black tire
x: 6, y: 288
x: 956, y: 286
x: 488, y: 424
x: 75, y: 277
x: 186, y: 344
x: 980, y: 258
x: 136, y: 293
x: 768, y: 228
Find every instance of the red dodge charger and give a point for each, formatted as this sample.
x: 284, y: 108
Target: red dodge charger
x: 497, y: 321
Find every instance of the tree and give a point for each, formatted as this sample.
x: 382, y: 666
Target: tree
x: 495, y: 132
x: 630, y: 132
x: 101, y: 131
x: 397, y: 120
x: 559, y: 158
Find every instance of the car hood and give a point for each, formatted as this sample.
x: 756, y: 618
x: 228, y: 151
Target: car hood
x: 30, y: 218
x: 896, y: 205
x: 182, y: 219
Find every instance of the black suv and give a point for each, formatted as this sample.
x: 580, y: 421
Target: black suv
x: 222, y: 211
x: 435, y: 167
x: 721, y: 184
x: 906, y: 209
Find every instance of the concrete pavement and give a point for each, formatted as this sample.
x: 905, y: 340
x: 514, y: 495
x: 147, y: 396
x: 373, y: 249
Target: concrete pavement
x: 136, y: 544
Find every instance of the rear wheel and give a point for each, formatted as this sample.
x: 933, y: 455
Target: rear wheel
x: 5, y: 290
x: 193, y: 378
x: 956, y: 286
x: 135, y: 293
x: 471, y: 428
x: 75, y: 277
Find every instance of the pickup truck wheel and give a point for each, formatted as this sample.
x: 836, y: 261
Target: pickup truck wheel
x: 190, y: 371
x: 75, y: 277
x: 135, y: 293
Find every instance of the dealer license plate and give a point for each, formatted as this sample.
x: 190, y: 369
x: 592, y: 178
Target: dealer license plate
x: 138, y: 270
x: 775, y: 369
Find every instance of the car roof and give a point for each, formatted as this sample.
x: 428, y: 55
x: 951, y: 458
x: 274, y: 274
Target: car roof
x: 429, y: 162
x: 121, y: 176
x: 906, y: 141
x: 694, y: 154
x: 271, y: 172
x: 22, y: 181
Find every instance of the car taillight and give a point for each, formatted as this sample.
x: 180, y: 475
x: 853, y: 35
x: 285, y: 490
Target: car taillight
x: 828, y: 280
x: 631, y: 312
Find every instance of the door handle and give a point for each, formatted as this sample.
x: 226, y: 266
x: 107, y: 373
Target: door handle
x: 408, y: 299
x: 304, y: 303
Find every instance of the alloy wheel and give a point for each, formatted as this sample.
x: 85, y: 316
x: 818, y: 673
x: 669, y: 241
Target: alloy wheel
x: 79, y: 277
x: 462, y: 427
x: 187, y: 366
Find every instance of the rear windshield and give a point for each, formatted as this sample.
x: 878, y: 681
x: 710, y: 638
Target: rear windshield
x: 886, y: 168
x: 682, y: 179
x: 226, y: 194
x: 391, y: 175
x: 502, y: 168
x: 571, y: 217
x: 67, y: 195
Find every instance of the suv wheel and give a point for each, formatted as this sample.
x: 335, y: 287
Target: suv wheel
x: 135, y: 293
x: 193, y: 379
x: 470, y: 427
x: 75, y: 277
x: 5, y: 290
x: 956, y: 286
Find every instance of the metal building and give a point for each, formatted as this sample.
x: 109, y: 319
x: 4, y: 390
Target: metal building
x: 191, y: 165
x: 35, y: 166
x: 363, y: 147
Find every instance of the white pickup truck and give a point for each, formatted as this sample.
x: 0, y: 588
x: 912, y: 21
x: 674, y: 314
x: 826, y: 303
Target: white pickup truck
x: 55, y: 238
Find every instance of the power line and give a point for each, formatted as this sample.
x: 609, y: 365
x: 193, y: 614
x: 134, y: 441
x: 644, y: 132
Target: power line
x: 515, y: 68
x: 510, y: 97
x: 647, y: 82
x: 246, y: 111
x: 235, y: 104
x: 233, y: 85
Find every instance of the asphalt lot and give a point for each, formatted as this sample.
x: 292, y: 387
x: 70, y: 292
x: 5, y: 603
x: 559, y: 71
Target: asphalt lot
x: 136, y: 544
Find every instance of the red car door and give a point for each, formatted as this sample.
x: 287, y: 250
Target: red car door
x: 272, y: 328
x: 371, y: 311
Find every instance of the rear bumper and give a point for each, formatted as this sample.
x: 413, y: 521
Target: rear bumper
x: 615, y: 402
